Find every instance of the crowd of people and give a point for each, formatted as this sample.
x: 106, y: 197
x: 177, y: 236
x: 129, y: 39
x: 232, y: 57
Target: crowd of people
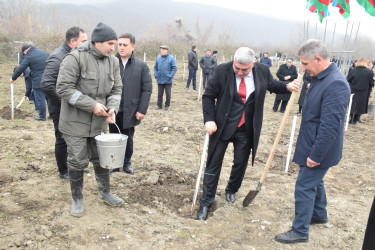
x: 87, y: 86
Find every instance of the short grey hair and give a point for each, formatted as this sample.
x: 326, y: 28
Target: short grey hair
x: 244, y: 55
x: 312, y: 48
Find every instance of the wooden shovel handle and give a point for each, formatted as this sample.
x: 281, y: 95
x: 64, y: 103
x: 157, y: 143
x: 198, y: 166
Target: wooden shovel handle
x: 279, y: 133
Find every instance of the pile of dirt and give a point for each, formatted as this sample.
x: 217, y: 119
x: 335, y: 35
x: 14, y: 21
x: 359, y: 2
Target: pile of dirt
x: 6, y: 113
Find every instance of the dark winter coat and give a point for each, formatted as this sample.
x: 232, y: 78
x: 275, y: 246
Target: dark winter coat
x: 207, y: 64
x: 361, y: 82
x: 193, y: 60
x: 218, y: 97
x: 48, y: 84
x: 321, y: 133
x: 136, y: 90
x: 164, y: 69
x: 35, y: 59
x: 267, y: 61
x: 282, y: 72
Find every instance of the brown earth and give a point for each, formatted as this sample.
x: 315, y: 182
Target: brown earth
x: 35, y: 202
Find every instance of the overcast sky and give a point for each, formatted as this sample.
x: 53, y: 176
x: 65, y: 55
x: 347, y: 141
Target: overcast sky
x: 288, y: 9
x: 296, y: 10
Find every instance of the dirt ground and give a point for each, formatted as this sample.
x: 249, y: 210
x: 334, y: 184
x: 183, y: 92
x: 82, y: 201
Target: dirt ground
x: 35, y: 202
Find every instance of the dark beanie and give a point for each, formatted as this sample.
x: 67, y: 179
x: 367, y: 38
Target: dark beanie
x: 25, y: 47
x: 102, y: 33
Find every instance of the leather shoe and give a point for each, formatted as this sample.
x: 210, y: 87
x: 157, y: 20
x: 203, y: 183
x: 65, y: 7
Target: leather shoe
x: 39, y: 119
x: 64, y: 176
x: 202, y: 213
x: 318, y: 221
x: 291, y: 237
x: 230, y: 197
x: 86, y: 170
x: 360, y: 120
x: 157, y: 107
x: 112, y: 170
x: 128, y: 169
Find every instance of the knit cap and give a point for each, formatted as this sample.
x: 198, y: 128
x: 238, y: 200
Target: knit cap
x: 102, y: 33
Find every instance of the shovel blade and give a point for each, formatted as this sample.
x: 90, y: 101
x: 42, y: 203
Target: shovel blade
x: 249, y: 197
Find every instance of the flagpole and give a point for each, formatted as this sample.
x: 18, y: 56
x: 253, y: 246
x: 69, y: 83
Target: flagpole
x: 333, y: 37
x: 325, y: 30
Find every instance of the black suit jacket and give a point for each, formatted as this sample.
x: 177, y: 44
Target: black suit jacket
x: 218, y: 97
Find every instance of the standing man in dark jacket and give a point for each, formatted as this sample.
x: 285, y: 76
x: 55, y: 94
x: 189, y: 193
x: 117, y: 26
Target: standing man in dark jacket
x: 136, y: 93
x: 164, y: 70
x: 233, y: 112
x: 320, y: 140
x: 193, y: 67
x: 35, y: 59
x: 207, y: 64
x: 287, y: 72
x: 73, y: 37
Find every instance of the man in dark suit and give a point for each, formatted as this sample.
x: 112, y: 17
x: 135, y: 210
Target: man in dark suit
x: 136, y: 93
x: 233, y: 112
x: 320, y: 140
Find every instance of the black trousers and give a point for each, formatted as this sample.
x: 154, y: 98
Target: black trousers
x: 168, y: 89
x: 61, y: 153
x: 129, y: 132
x: 277, y: 103
x: 242, y: 147
x: 369, y: 240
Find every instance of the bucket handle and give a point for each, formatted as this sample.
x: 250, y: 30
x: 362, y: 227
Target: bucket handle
x: 119, y: 131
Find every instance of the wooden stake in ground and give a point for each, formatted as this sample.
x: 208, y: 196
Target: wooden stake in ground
x: 348, y: 115
x: 290, y: 143
x: 253, y: 193
x: 200, y: 170
x: 12, y: 100
x: 200, y: 85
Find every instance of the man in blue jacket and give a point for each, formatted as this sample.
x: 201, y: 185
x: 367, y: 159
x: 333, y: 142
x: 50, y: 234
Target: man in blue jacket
x: 320, y: 140
x: 164, y: 70
x: 35, y: 59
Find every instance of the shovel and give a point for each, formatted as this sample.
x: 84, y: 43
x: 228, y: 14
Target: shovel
x: 200, y: 171
x: 253, y: 193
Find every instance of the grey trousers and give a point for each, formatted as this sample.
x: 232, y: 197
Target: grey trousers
x: 81, y: 150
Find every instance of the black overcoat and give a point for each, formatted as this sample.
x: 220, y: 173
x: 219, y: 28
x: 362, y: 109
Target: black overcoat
x: 361, y: 81
x: 282, y: 72
x: 136, y: 90
x: 218, y: 97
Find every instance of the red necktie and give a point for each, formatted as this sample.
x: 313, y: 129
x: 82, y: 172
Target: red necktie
x: 242, y: 93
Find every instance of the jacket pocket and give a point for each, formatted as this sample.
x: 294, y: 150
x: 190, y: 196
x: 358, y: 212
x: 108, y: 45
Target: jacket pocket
x: 87, y: 83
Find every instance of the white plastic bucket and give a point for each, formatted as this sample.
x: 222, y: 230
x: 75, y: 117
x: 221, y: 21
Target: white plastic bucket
x: 111, y: 149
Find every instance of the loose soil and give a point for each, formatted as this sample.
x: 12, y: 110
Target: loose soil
x: 35, y: 202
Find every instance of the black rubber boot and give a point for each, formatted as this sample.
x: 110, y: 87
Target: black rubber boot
x: 76, y: 185
x: 105, y: 195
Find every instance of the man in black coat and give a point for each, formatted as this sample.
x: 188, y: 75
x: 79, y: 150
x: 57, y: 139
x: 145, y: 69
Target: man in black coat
x: 287, y: 72
x: 73, y: 37
x: 35, y: 59
x: 136, y: 93
x: 233, y: 112
x: 193, y: 67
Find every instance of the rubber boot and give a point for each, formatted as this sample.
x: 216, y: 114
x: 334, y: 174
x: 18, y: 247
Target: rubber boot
x: 76, y: 185
x: 105, y: 195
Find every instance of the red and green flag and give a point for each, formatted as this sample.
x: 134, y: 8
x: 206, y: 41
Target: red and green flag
x: 369, y: 6
x: 344, y: 7
x: 320, y: 7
